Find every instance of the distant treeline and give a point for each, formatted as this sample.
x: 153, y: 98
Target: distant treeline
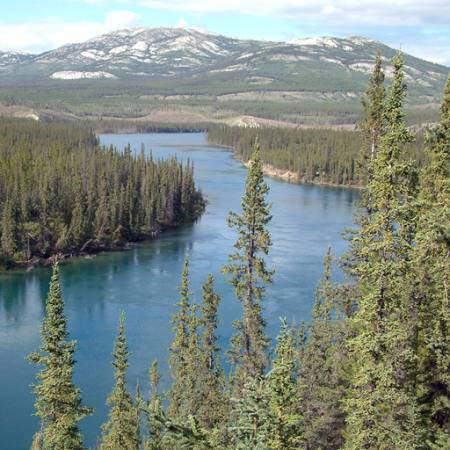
x: 61, y: 192
x: 127, y: 126
x: 315, y: 155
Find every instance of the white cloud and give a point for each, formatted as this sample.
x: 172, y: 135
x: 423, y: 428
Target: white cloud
x: 382, y: 12
x: 44, y: 35
x: 411, y: 24
x: 419, y: 27
x: 120, y: 19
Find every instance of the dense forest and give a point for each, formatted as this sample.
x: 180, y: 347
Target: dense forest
x: 61, y: 192
x: 371, y: 370
x: 316, y: 155
x: 109, y: 126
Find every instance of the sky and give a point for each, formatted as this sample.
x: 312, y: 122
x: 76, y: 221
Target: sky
x: 418, y: 27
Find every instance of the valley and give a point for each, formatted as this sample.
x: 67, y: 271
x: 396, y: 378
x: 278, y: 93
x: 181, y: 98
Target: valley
x: 145, y: 278
x: 257, y: 227
x: 188, y: 76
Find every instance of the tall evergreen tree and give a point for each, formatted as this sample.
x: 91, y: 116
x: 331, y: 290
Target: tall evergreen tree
x: 155, y: 431
x: 281, y: 392
x: 432, y: 271
x: 179, y: 351
x: 382, y: 411
x: 192, y: 390
x: 373, y: 104
x: 321, y: 377
x: 8, y: 231
x: 121, y: 431
x: 373, y: 127
x: 249, y: 273
x: 212, y: 410
x: 58, y: 400
x: 250, y: 419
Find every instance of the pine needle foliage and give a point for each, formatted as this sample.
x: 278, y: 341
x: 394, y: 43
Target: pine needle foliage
x: 180, y: 359
x: 249, y: 274
x: 432, y: 270
x: 121, y: 431
x: 373, y: 104
x: 281, y: 392
x: 250, y: 417
x: 58, y: 400
x: 381, y: 406
x: 321, y: 376
x: 212, y: 410
x: 155, y: 430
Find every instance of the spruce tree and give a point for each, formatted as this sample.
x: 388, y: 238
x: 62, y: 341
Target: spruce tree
x: 281, y: 392
x: 8, y: 231
x: 373, y: 127
x: 322, y: 363
x: 138, y: 410
x: 432, y: 271
x: 194, y: 358
x: 249, y: 274
x: 121, y: 431
x: 212, y: 409
x: 381, y: 406
x: 250, y: 418
x: 58, y: 400
x: 155, y: 429
x: 373, y: 103
x: 179, y: 359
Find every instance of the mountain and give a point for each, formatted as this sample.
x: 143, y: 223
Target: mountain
x: 202, y: 73
x: 146, y: 52
x: 9, y: 59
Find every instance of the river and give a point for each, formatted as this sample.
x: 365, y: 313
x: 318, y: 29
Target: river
x: 143, y: 282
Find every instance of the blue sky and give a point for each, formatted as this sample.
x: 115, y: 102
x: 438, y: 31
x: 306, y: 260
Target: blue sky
x: 421, y: 28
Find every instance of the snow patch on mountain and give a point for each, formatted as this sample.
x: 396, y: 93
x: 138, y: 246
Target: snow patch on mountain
x: 119, y: 50
x: 324, y: 41
x: 96, y: 55
x: 140, y: 46
x: 75, y: 75
x: 331, y: 60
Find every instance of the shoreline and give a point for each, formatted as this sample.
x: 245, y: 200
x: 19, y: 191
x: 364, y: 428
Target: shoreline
x: 39, y: 261
x: 292, y: 177
x: 287, y: 175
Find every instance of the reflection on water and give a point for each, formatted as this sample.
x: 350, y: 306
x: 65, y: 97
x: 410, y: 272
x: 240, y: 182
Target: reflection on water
x: 143, y: 282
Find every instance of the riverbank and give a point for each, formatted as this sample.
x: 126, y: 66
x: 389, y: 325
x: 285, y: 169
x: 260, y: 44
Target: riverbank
x: 293, y: 177
x: 87, y: 251
x: 306, y: 156
x: 90, y: 250
x: 287, y: 175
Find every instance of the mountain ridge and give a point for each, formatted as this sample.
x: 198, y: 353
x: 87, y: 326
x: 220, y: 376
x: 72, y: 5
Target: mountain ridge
x: 147, y: 52
x: 132, y: 72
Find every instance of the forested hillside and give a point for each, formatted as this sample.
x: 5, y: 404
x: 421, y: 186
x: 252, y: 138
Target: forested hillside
x: 370, y: 370
x: 182, y: 75
x: 61, y: 192
x: 322, y: 156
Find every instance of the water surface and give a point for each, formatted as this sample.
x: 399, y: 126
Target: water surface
x: 143, y: 282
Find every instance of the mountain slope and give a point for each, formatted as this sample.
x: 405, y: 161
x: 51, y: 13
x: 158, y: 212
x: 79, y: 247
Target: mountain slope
x: 141, y: 52
x: 206, y: 73
x: 9, y: 59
